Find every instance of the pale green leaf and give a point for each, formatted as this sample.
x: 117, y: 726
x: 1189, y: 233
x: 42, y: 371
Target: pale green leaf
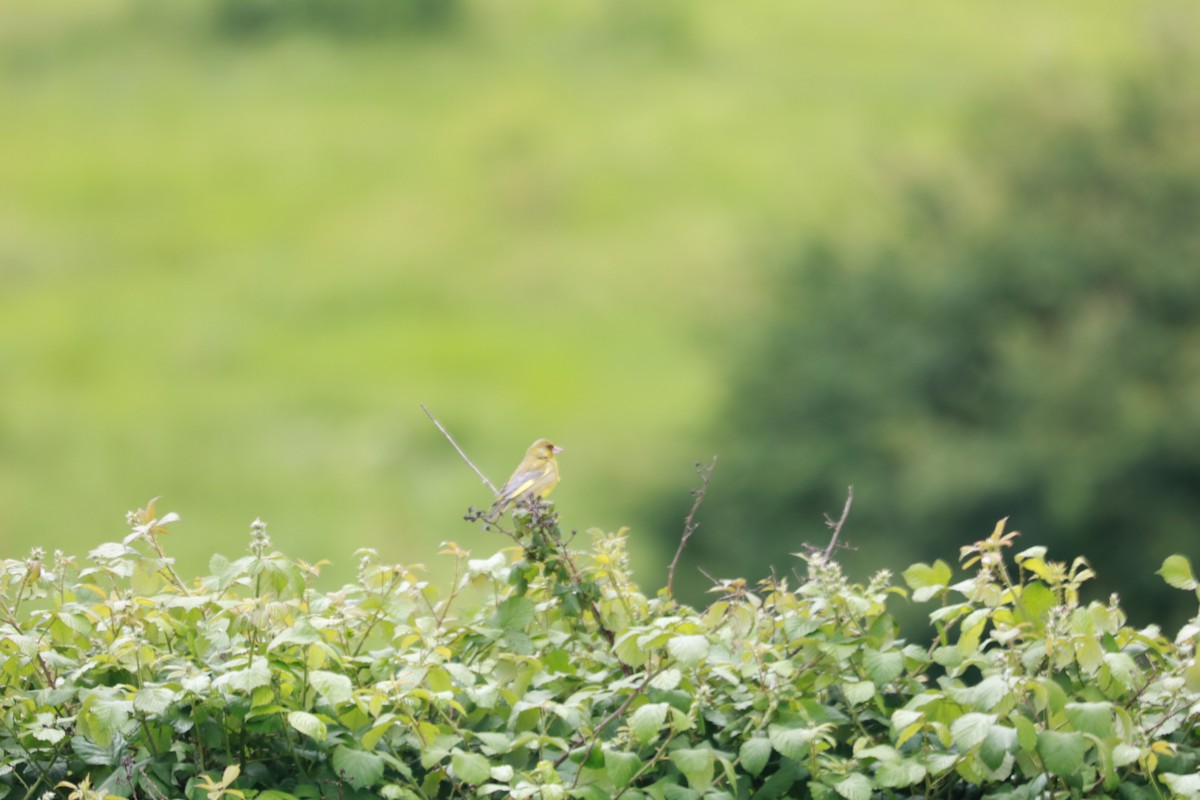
x: 688, y: 649
x: 1093, y: 718
x: 794, y: 742
x: 647, y: 722
x: 470, y: 768
x: 514, y: 614
x: 883, y: 668
x: 898, y: 774
x: 754, y: 754
x: 854, y: 787
x: 360, y: 768
x: 971, y: 729
x: 667, y: 679
x: 308, y: 724
x: 858, y: 692
x: 1061, y: 753
x: 153, y: 700
x: 1000, y: 741
x: 1183, y: 785
x: 333, y: 687
x: 696, y: 764
x: 621, y: 766
x: 1177, y: 571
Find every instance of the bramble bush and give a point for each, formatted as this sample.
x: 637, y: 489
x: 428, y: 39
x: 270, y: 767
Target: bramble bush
x: 543, y: 672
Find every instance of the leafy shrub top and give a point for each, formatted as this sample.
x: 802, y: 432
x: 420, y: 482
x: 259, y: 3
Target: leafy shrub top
x: 563, y: 680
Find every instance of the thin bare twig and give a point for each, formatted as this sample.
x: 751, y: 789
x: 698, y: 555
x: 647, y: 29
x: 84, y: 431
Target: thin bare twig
x: 450, y: 439
x: 837, y: 526
x: 689, y: 522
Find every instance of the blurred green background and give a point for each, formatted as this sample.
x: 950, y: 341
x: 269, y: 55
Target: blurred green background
x: 241, y: 241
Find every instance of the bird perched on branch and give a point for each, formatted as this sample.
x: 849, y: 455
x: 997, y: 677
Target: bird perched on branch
x: 535, y: 476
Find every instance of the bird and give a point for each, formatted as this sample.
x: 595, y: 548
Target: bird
x: 535, y: 476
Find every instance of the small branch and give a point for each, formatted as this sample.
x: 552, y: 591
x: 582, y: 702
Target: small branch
x: 450, y: 439
x: 689, y: 522
x: 837, y: 526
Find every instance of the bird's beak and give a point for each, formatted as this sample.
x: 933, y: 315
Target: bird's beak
x: 556, y: 449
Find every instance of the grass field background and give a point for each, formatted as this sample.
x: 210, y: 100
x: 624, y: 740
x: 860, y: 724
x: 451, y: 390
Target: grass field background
x: 231, y: 268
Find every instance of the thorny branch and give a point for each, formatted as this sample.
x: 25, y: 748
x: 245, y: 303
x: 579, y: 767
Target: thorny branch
x: 837, y: 526
x: 689, y: 522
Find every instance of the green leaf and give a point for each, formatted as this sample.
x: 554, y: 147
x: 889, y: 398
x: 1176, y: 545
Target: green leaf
x: 308, y: 724
x: 926, y: 581
x: 153, y: 700
x: 514, y: 614
x: 794, y: 742
x: 898, y: 774
x: 688, y: 649
x: 1183, y: 785
x: 360, y: 768
x: 1177, y: 571
x: 1000, y: 741
x: 667, y: 679
x: 333, y: 687
x: 646, y: 723
x: 621, y: 766
x: 1035, y: 601
x: 754, y: 754
x: 971, y: 729
x: 1062, y: 753
x: 858, y: 692
x: 1093, y: 718
x: 470, y: 768
x: 696, y: 764
x: 854, y: 787
x: 883, y: 668
x: 1026, y: 733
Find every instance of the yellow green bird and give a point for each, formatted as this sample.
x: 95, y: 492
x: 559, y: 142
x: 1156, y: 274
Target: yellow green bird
x: 535, y: 476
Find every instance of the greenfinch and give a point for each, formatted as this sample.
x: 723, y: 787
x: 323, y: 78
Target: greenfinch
x: 535, y: 476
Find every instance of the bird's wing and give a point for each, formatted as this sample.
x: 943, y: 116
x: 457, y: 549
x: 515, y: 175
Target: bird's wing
x: 521, y: 481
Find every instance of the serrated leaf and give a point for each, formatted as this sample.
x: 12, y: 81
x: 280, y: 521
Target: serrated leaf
x: 1026, y: 733
x: 1061, y: 753
x: 999, y: 742
x: 333, y: 687
x: 1093, y: 718
x: 793, y: 742
x: 360, y: 768
x: 1183, y: 785
x: 470, y: 768
x: 754, y: 754
x: 858, y: 692
x: 621, y: 766
x: 696, y: 764
x: 667, y: 679
x: 1124, y: 754
x: 646, y: 723
x: 885, y: 667
x: 688, y: 649
x: 926, y: 580
x: 308, y: 724
x: 971, y: 729
x: 153, y: 700
x: 898, y: 774
x: 1176, y: 570
x: 854, y: 787
x: 514, y: 614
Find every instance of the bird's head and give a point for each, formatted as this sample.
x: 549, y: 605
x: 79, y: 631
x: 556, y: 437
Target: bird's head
x: 544, y: 448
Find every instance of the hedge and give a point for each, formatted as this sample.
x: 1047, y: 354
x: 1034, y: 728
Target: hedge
x: 542, y: 671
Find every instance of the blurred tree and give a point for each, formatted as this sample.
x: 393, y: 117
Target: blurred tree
x: 1031, y: 352
x: 352, y: 18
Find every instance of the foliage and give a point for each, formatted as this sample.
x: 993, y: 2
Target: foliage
x: 1025, y: 346
x: 123, y: 680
